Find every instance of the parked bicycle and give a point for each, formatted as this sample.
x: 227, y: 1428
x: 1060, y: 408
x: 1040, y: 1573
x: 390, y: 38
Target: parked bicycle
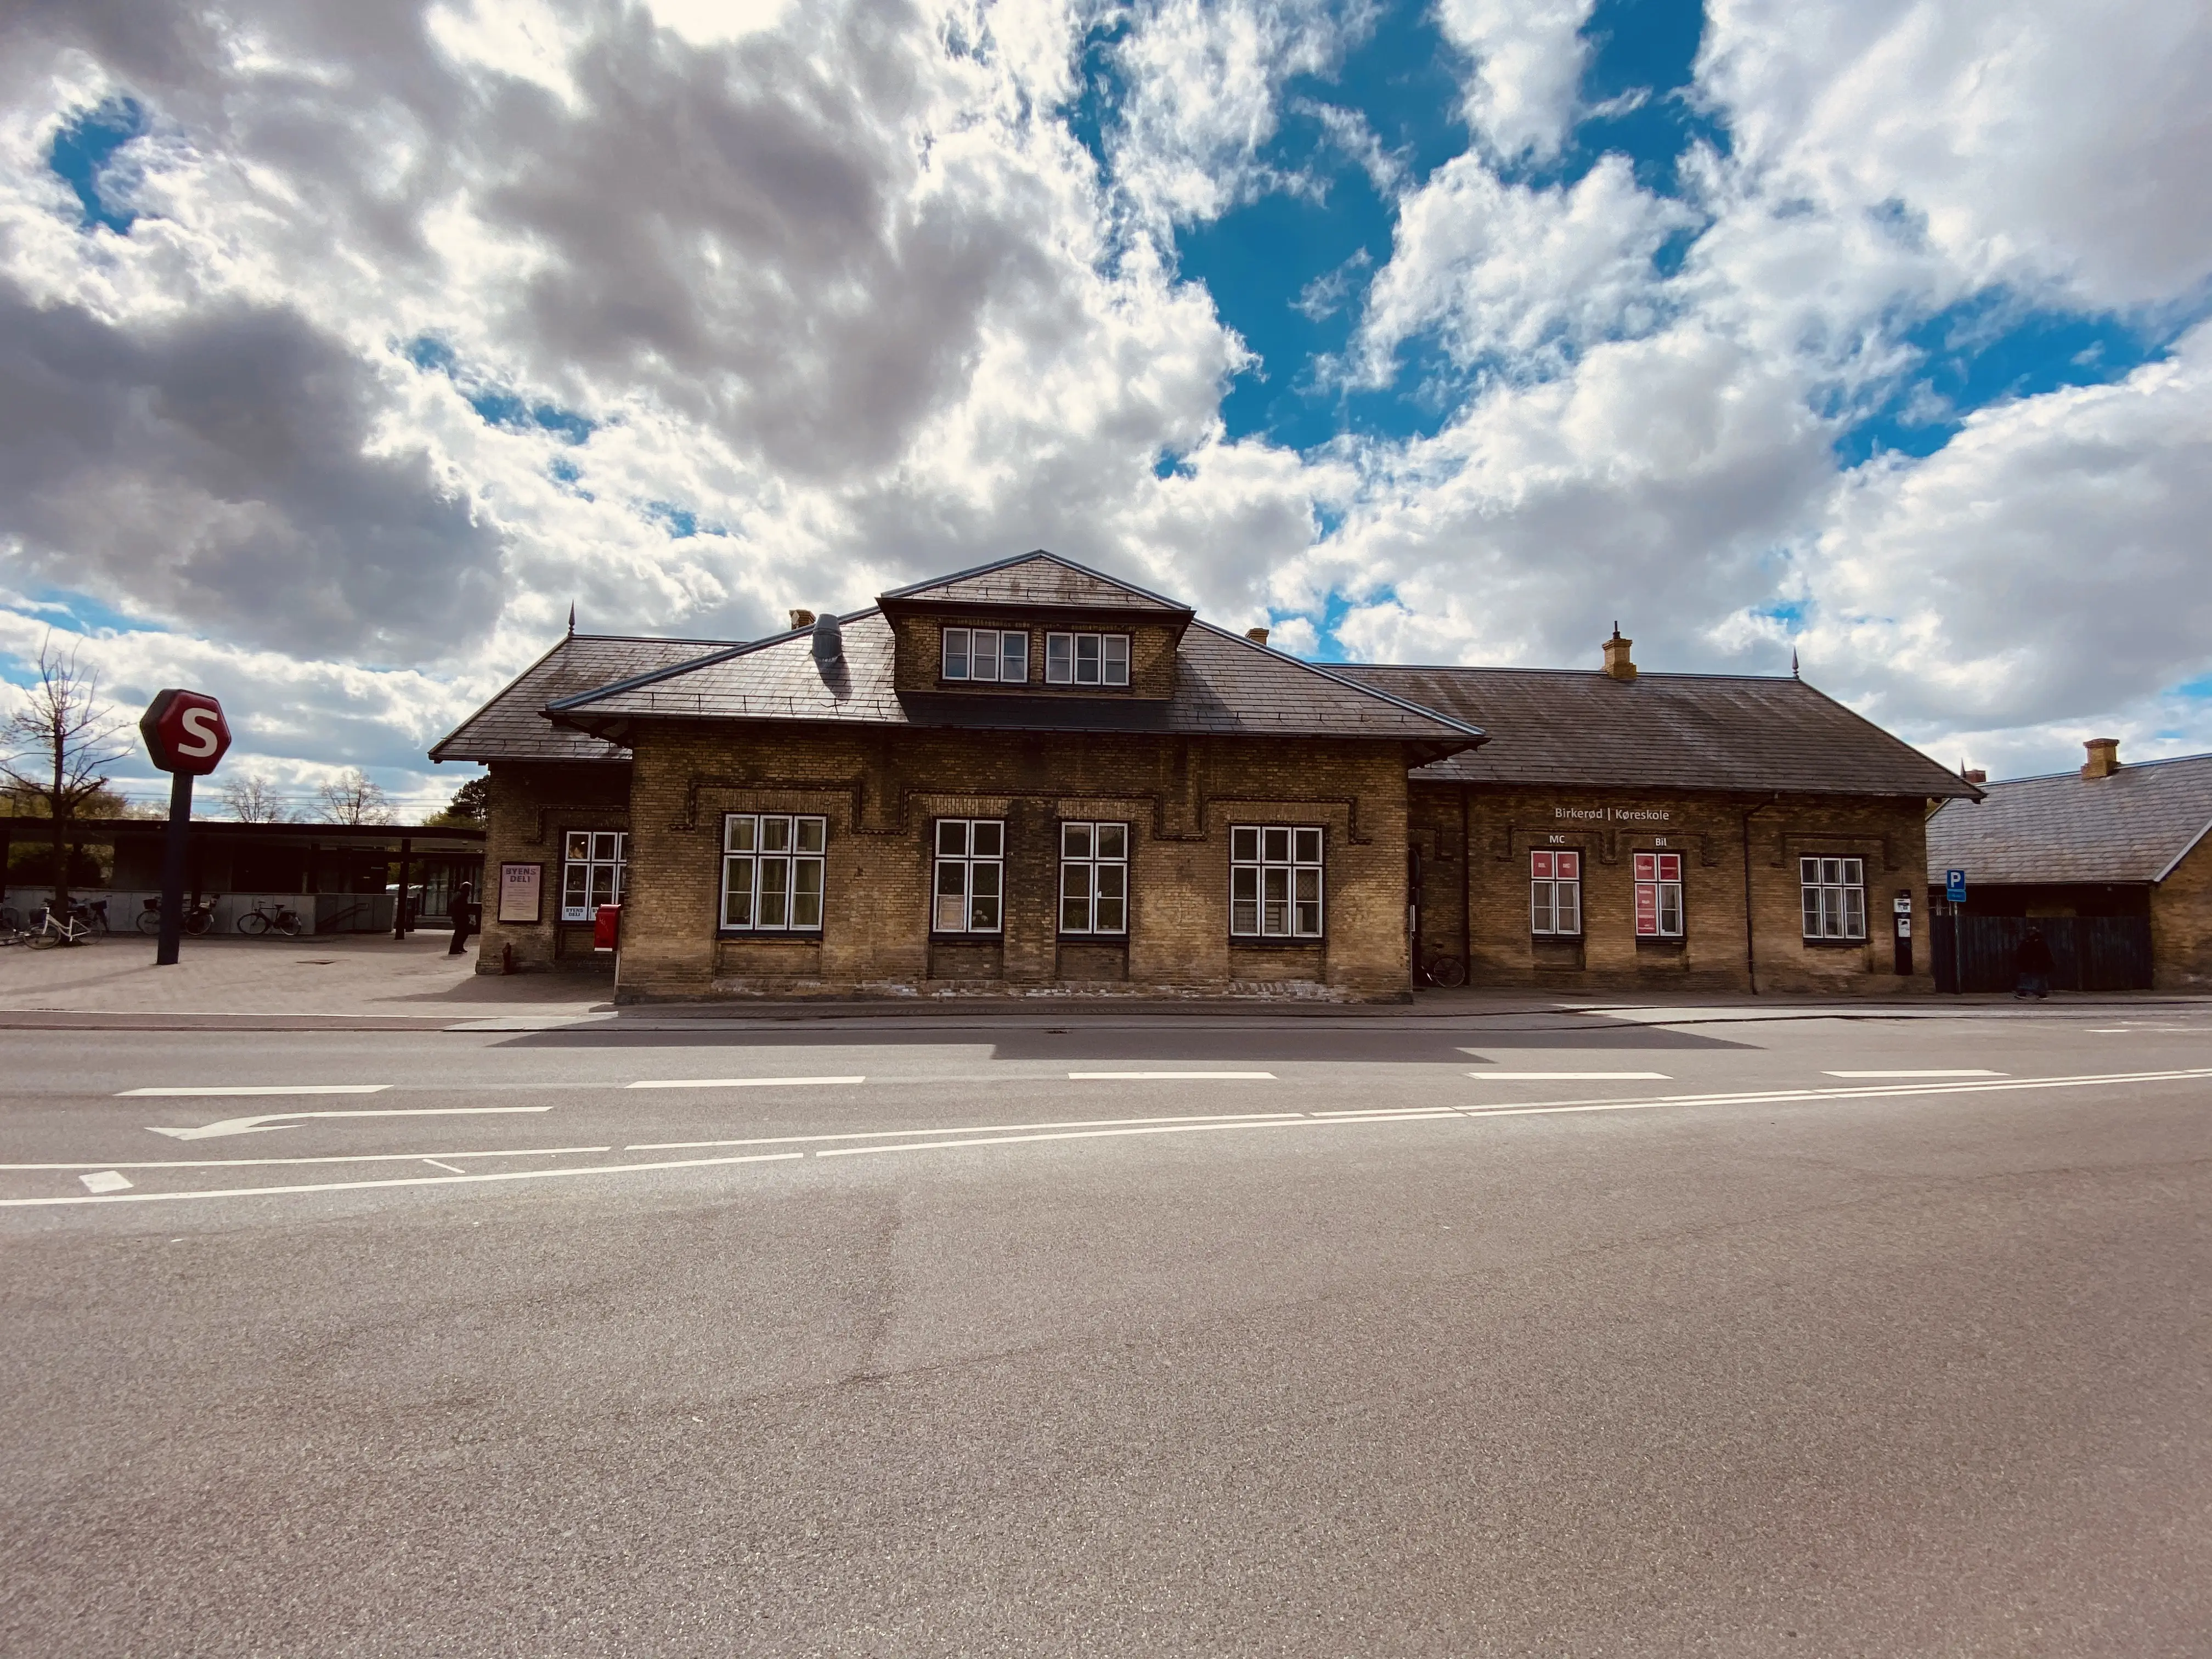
x: 1447, y: 972
x: 55, y: 931
x: 259, y: 920
x: 198, y: 918
x: 90, y: 915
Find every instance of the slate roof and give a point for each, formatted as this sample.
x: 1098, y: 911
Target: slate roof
x: 513, y: 725
x: 1225, y: 684
x: 1582, y: 729
x: 2132, y: 826
x: 1038, y: 579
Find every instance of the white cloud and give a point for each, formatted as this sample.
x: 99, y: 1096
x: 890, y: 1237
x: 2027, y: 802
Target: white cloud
x: 1521, y: 276
x: 2061, y: 142
x: 1528, y: 58
x: 2049, y: 559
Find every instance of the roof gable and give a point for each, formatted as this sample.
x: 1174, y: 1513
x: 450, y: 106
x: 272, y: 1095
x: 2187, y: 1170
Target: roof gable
x: 1575, y: 728
x: 2133, y: 826
x: 1038, y: 580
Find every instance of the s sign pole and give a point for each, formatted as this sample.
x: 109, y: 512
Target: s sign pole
x: 186, y: 735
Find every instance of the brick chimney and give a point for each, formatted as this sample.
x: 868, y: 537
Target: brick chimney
x: 1617, y: 664
x: 1257, y: 636
x: 1975, y: 775
x: 2103, y: 757
x: 802, y: 619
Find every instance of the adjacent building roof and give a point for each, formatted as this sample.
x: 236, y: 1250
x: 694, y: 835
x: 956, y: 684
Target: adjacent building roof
x: 2133, y: 826
x: 1040, y: 580
x: 1559, y: 726
x: 513, y: 725
x: 1225, y: 685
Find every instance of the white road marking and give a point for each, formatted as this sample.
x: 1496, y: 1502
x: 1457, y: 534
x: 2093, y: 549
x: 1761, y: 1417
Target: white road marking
x: 408, y: 1181
x: 1034, y: 1132
x: 963, y: 1129
x: 1931, y: 1071
x: 347, y: 1158
x: 105, y: 1180
x: 448, y: 1167
x: 734, y: 1082
x: 1165, y: 1077
x: 268, y: 1120
x: 1072, y: 1135
x: 269, y: 1089
x: 1569, y: 1076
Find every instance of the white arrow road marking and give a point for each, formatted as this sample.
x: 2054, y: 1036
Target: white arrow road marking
x: 105, y: 1180
x: 733, y: 1082
x: 268, y: 1089
x: 268, y: 1120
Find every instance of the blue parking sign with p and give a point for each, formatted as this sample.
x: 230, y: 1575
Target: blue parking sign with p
x: 1954, y: 886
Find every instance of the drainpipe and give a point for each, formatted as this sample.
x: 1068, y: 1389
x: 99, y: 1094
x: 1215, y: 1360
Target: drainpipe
x: 1750, y: 945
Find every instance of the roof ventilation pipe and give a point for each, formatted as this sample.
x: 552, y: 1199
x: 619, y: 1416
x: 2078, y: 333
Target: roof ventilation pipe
x: 829, y: 641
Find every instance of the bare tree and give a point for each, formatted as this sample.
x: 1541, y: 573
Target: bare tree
x: 60, y: 742
x: 253, y: 800
x: 351, y: 798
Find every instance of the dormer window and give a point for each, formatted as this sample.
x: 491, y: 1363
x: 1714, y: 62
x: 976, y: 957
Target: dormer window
x: 1086, y: 660
x: 998, y: 656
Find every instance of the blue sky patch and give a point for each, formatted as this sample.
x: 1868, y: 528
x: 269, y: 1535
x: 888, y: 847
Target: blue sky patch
x: 495, y: 405
x: 82, y: 153
x: 1985, y: 350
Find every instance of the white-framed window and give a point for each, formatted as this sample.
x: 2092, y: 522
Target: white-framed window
x: 1086, y: 660
x: 772, y: 872
x: 1274, y: 881
x: 998, y: 655
x: 1094, y: 878
x: 593, y: 865
x: 1835, y: 897
x: 1658, y: 895
x: 968, y: 893
x: 1555, y: 893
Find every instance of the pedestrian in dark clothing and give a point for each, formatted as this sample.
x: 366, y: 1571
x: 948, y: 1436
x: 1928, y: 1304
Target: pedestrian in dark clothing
x: 2034, y: 964
x: 463, y: 912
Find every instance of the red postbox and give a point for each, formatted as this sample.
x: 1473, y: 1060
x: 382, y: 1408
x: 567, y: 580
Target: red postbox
x: 606, y: 928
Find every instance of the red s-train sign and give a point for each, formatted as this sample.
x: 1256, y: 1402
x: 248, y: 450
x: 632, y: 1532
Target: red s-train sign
x: 185, y: 731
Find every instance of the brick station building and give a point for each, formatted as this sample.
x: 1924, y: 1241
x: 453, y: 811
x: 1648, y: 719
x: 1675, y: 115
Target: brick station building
x: 1032, y: 778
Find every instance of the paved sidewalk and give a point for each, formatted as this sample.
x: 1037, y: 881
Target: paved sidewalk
x: 360, y: 981
x: 372, y: 983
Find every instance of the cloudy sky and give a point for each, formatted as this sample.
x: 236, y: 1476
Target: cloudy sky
x: 342, y: 346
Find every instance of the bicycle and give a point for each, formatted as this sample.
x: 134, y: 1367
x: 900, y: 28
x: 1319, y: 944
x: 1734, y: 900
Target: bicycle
x: 1446, y: 973
x: 52, y: 932
x: 198, y: 918
x: 258, y: 922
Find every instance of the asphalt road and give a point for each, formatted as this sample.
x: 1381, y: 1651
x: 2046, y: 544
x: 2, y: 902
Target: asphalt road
x: 980, y: 1335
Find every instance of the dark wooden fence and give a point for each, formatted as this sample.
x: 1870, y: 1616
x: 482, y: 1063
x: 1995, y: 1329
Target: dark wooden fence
x: 2090, y: 954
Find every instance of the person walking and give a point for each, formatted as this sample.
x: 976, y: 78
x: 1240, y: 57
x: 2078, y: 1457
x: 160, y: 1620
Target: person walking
x: 2033, y: 965
x: 462, y: 912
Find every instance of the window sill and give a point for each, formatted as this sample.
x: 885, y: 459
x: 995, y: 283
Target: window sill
x: 773, y: 935
x: 1277, y: 941
x: 1555, y: 938
x: 1093, y: 938
x: 1661, y: 941
x: 997, y: 938
x: 1834, y: 943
